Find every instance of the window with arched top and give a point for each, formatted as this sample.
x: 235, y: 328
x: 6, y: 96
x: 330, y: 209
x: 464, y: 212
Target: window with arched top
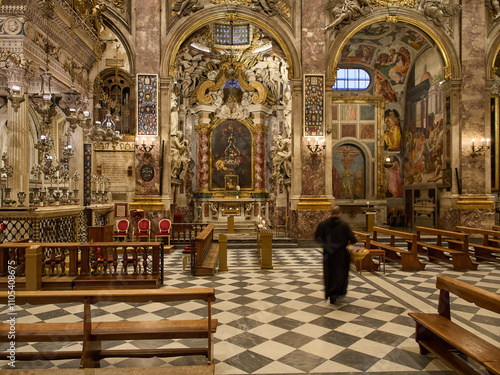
x: 352, y: 79
x: 115, y: 96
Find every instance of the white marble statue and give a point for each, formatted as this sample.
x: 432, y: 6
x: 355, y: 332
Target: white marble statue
x: 174, y: 114
x: 178, y: 156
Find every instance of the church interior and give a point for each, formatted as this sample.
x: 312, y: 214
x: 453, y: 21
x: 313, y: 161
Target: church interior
x: 168, y: 124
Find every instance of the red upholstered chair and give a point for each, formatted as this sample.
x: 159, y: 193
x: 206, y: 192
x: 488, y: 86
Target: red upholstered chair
x: 164, y: 227
x: 121, y: 232
x: 143, y: 229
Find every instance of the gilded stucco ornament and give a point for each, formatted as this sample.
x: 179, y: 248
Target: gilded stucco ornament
x: 269, y: 7
x: 231, y: 68
x: 401, y: 3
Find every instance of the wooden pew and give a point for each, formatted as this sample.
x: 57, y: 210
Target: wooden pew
x: 207, y: 252
x: 436, y: 333
x: 367, y: 263
x: 457, y: 252
x: 92, y: 334
x: 489, y: 249
x: 407, y: 257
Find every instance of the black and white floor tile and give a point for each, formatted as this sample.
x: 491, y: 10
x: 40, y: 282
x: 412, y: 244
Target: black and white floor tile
x: 277, y: 322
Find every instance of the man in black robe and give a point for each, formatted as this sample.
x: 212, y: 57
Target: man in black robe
x: 335, y: 234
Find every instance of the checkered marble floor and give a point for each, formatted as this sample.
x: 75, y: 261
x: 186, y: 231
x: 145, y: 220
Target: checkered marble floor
x: 277, y: 322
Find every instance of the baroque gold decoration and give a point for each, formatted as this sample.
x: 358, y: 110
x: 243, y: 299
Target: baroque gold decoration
x: 120, y: 4
x: 401, y: 3
x: 270, y: 7
x: 231, y: 68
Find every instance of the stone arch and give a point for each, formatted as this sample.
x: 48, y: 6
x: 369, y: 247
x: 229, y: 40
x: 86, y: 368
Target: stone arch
x: 441, y: 41
x: 180, y: 33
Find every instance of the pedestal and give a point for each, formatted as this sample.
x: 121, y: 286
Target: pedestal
x: 230, y: 224
x: 370, y: 220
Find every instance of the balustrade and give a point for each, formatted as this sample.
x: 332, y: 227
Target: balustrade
x: 90, y: 260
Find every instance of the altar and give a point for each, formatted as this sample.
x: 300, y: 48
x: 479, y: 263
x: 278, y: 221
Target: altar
x: 245, y: 211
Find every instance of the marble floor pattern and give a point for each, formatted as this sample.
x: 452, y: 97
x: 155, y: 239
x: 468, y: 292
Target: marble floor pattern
x: 277, y: 322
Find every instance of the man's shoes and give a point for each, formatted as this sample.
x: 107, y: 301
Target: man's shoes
x: 333, y: 299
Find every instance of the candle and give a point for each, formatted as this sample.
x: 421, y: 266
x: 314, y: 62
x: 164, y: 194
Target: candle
x: 22, y: 184
x: 482, y: 142
x: 472, y: 142
x: 317, y: 142
x: 487, y: 142
x: 308, y: 141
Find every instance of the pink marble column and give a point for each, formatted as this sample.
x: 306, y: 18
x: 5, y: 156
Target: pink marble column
x: 202, y: 159
x: 260, y: 160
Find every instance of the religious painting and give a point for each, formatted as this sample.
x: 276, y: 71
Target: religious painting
x: 349, y: 130
x: 349, y: 173
x: 231, y: 153
x: 231, y: 182
x: 394, y: 184
x: 392, y: 131
x: 394, y: 64
x: 424, y: 135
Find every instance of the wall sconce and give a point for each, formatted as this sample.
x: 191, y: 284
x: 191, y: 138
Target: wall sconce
x: 485, y: 145
x: 315, y: 149
x: 145, y: 148
x: 15, y: 97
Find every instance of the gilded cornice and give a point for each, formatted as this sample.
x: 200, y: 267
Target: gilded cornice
x: 147, y: 204
x: 474, y: 202
x: 308, y: 204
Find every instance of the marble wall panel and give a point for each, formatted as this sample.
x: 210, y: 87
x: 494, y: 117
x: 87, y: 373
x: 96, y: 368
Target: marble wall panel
x: 313, y: 36
x: 307, y: 222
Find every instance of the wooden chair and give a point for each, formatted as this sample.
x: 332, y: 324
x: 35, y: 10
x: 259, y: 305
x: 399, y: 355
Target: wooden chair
x: 283, y: 227
x: 164, y: 230
x: 121, y: 232
x: 143, y: 230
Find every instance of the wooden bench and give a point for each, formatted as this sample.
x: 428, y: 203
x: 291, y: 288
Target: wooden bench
x: 92, y: 334
x: 489, y: 249
x: 207, y: 253
x: 407, y: 257
x: 367, y: 263
x: 436, y: 333
x: 457, y: 252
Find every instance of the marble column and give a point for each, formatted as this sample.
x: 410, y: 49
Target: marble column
x: 474, y: 107
x: 260, y: 119
x: 147, y: 61
x: 202, y: 157
x: 313, y: 204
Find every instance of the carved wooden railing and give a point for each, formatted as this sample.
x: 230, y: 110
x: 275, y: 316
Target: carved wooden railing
x: 184, y: 233
x: 57, y: 260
